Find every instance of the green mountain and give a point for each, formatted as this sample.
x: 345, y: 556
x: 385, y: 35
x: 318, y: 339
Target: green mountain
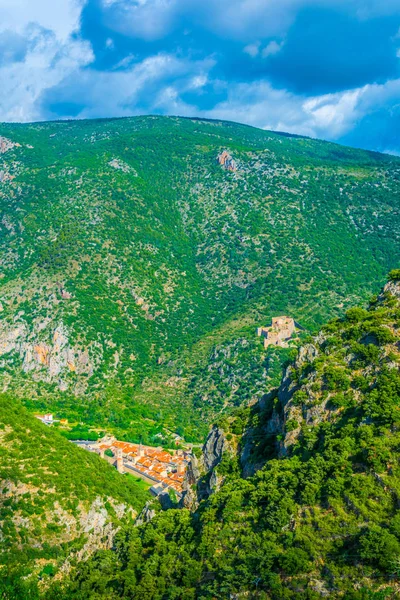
x: 318, y: 518
x: 58, y: 503
x: 135, y: 265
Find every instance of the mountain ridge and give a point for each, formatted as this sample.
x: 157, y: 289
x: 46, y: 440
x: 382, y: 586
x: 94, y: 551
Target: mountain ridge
x: 127, y: 241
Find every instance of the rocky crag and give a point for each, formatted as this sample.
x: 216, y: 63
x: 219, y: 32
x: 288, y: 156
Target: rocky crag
x: 306, y: 398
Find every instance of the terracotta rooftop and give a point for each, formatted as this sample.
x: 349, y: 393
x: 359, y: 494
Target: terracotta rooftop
x: 155, y: 462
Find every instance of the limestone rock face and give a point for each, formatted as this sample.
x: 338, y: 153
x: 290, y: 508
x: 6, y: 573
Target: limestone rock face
x: 92, y: 521
x: 214, y: 448
x: 393, y: 288
x: 122, y: 166
x: 288, y: 387
x: 192, y: 471
x: 201, y: 478
x: 273, y: 426
x: 47, y: 353
x: 148, y: 513
x: 5, y: 176
x: 6, y: 144
x: 285, y: 411
x: 10, y: 339
x: 189, y: 497
x: 192, y: 475
x: 226, y: 161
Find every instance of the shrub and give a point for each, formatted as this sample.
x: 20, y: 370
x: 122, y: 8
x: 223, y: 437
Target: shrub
x: 394, y: 275
x: 294, y: 561
x: 379, y: 547
x: 299, y: 398
x: 356, y: 314
x: 291, y: 425
x: 383, y: 335
x: 336, y: 378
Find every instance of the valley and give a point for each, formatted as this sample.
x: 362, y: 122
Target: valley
x: 136, y: 263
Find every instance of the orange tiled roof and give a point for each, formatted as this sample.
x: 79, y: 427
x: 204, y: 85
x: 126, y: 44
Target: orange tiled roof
x: 158, y: 468
x: 144, y: 462
x: 176, y: 476
x: 154, y: 462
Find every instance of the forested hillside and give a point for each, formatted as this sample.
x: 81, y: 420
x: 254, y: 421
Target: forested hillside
x: 58, y: 503
x: 319, y: 519
x: 132, y: 260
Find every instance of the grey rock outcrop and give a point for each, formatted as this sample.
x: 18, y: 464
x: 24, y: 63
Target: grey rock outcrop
x: 47, y: 353
x: 214, y: 448
x: 189, y: 496
x: 393, y: 288
x: 6, y: 144
x: 226, y: 161
x: 148, y: 513
x: 283, y: 411
x: 201, y: 478
x: 288, y: 387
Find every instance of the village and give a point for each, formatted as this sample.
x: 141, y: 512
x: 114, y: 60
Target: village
x: 161, y: 469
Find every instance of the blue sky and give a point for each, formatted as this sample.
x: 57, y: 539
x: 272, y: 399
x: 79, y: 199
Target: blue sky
x: 324, y: 68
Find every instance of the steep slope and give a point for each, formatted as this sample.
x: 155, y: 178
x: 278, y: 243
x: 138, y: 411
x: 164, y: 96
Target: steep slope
x: 58, y: 503
x: 320, y: 518
x: 125, y: 242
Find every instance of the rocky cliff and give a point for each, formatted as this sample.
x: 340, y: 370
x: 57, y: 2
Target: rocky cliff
x: 226, y: 161
x: 202, y: 478
x: 308, y: 395
x: 46, y: 353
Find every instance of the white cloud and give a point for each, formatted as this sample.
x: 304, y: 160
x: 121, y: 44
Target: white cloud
x: 59, y: 16
x: 45, y: 66
x: 329, y: 116
x: 271, y: 49
x: 198, y: 81
x: 334, y: 113
x: 252, y: 49
x: 145, y: 19
x: 154, y: 83
x: 52, y: 53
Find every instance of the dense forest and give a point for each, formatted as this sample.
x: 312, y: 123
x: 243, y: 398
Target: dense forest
x: 135, y: 266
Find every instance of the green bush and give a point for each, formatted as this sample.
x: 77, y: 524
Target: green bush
x: 380, y: 548
x: 291, y: 425
x: 394, y: 275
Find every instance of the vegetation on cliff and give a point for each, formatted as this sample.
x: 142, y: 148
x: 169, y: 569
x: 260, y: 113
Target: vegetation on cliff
x: 320, y: 518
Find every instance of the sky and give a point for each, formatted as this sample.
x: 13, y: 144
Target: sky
x: 322, y: 68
